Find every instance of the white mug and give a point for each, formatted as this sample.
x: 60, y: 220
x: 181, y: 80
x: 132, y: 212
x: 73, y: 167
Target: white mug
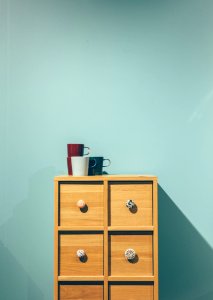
x: 80, y: 165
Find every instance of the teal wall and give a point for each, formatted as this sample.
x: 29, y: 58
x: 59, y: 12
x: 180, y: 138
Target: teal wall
x: 134, y: 81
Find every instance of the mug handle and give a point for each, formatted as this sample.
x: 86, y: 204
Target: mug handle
x: 108, y: 161
x: 88, y: 150
x: 94, y: 163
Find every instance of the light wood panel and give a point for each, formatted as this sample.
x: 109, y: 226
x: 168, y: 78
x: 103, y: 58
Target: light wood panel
x: 71, y: 265
x: 133, y: 177
x: 120, y: 215
x: 131, y: 292
x: 155, y: 249
x: 80, y: 228
x: 71, y: 215
x: 131, y: 278
x: 55, y: 241
x: 132, y: 228
x: 141, y: 266
x: 80, y: 278
x: 83, y: 292
x: 106, y: 263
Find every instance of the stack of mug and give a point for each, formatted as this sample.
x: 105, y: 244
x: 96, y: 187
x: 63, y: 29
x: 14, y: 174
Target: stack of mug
x: 80, y: 164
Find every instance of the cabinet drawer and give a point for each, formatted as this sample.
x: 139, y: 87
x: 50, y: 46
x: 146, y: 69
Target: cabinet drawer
x: 81, y: 292
x: 141, y: 265
x: 71, y: 215
x: 131, y: 292
x: 140, y: 214
x: 89, y: 265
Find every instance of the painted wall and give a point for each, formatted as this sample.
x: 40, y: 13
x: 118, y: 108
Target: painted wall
x: 134, y: 81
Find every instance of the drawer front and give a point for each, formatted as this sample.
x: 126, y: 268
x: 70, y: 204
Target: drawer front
x: 140, y: 214
x: 90, y: 215
x: 81, y: 292
x: 89, y: 265
x: 131, y: 292
x: 141, y: 265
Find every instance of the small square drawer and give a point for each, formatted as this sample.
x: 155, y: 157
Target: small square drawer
x: 80, y: 292
x: 131, y: 291
x: 130, y: 204
x: 91, y: 200
x: 131, y: 254
x: 80, y: 254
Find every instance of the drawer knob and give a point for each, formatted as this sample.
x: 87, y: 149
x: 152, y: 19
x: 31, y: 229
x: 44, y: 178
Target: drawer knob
x: 81, y: 253
x: 130, y: 203
x: 130, y: 254
x: 81, y: 204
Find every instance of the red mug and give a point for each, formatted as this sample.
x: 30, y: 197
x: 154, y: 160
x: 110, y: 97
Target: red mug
x: 69, y: 165
x: 76, y: 150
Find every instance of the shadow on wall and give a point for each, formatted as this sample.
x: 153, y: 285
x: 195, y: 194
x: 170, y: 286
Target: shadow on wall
x: 14, y: 279
x: 185, y: 258
x: 26, y: 247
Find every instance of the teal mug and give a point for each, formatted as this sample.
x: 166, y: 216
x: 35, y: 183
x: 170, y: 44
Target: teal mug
x: 96, y: 165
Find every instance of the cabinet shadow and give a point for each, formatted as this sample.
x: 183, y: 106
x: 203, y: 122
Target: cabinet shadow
x: 26, y: 243
x: 14, y: 279
x: 185, y: 258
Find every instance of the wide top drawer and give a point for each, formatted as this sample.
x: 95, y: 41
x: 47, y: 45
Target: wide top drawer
x: 81, y: 204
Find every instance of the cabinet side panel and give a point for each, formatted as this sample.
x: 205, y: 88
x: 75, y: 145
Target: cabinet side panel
x: 155, y: 218
x: 56, y: 190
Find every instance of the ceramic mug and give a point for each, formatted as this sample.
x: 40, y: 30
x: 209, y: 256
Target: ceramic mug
x: 69, y: 165
x: 96, y: 165
x: 76, y: 150
x: 80, y: 165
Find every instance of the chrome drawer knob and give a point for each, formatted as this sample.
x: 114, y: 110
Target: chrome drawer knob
x: 130, y: 203
x: 130, y: 254
x: 81, y: 204
x: 80, y: 253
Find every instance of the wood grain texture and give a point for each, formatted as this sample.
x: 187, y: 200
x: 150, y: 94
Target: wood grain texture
x: 71, y: 215
x: 80, y: 278
x: 106, y: 264
x: 81, y: 228
x: 71, y: 265
x: 55, y: 241
x: 141, y: 266
x: 155, y: 237
x: 131, y: 278
x: 134, y: 292
x: 120, y: 215
x: 145, y: 177
x: 81, y: 292
x: 132, y: 228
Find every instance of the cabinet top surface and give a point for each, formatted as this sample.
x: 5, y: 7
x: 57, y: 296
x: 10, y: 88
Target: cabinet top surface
x: 106, y: 178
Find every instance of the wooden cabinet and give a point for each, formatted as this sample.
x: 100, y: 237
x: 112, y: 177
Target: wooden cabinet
x: 106, y: 238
